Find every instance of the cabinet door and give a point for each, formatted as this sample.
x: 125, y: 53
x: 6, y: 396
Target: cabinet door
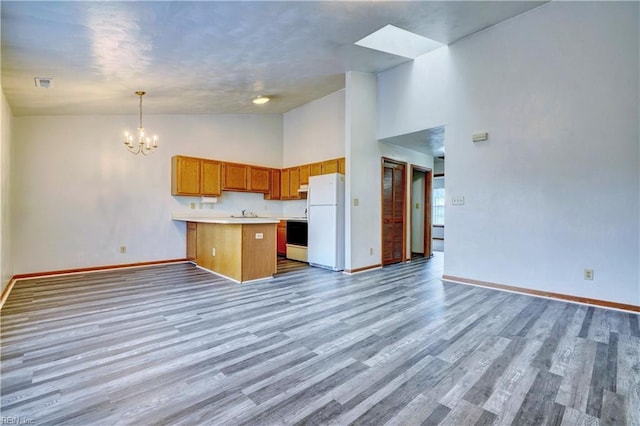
x: 274, y: 188
x: 191, y: 240
x: 211, y: 182
x: 393, y: 211
x: 282, y: 238
x: 185, y: 175
x: 284, y: 184
x: 315, y: 169
x: 235, y: 177
x: 259, y: 179
x: 304, y: 174
x: 342, y: 166
x: 294, y: 183
x: 330, y: 166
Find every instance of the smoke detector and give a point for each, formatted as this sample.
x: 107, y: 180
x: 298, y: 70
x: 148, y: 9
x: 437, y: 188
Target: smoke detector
x: 43, y: 82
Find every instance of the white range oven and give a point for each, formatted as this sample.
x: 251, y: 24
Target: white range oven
x: 297, y: 239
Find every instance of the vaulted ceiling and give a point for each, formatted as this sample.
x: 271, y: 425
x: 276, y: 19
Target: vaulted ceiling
x: 209, y: 57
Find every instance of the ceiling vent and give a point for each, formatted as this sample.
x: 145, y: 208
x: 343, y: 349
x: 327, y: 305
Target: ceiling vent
x: 43, y: 82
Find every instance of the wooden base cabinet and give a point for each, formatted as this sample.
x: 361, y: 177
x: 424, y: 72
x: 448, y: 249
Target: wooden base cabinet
x: 192, y: 235
x: 241, y: 252
x: 282, y: 238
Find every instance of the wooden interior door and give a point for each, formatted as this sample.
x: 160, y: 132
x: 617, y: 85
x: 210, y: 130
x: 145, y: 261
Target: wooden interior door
x: 393, y: 211
x: 428, y: 185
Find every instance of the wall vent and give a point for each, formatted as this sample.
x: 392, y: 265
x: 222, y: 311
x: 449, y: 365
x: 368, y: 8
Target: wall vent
x: 43, y: 82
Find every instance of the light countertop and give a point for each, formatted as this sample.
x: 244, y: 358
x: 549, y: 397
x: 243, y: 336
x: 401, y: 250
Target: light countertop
x: 227, y: 220
x: 232, y: 219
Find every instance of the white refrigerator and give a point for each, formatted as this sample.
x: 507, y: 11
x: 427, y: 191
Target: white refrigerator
x: 325, y: 217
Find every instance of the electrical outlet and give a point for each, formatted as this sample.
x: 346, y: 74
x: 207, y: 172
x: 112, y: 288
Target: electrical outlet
x: 588, y: 274
x: 259, y: 235
x: 192, y: 205
x: 417, y: 205
x: 370, y: 251
x: 123, y: 249
x: 457, y: 200
x: 356, y: 202
x: 213, y: 251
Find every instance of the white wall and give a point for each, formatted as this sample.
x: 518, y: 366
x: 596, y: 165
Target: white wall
x: 6, y: 265
x: 314, y: 131
x: 363, y: 156
x: 79, y: 195
x: 557, y: 90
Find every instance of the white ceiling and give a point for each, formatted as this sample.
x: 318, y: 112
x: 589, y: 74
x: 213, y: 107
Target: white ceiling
x: 430, y: 141
x: 208, y: 57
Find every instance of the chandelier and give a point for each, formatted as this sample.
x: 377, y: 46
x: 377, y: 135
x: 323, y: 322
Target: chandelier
x: 143, y: 145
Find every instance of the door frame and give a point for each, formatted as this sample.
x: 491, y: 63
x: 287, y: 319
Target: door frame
x: 404, y: 209
x: 428, y: 186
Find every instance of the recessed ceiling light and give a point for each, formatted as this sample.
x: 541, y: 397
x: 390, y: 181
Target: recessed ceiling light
x: 43, y: 82
x: 260, y: 100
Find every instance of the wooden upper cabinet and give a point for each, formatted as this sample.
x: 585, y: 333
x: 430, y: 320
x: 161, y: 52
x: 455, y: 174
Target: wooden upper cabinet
x: 284, y: 184
x: 274, y: 186
x: 330, y: 166
x: 210, y: 182
x: 259, y: 179
x: 304, y: 174
x: 199, y: 176
x: 294, y: 183
x: 185, y: 175
x: 315, y: 169
x: 235, y: 177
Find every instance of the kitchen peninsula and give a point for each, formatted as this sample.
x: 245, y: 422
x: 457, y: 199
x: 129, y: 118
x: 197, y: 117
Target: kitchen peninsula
x: 239, y: 248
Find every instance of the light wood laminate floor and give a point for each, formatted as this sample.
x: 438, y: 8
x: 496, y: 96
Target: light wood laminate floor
x: 174, y: 344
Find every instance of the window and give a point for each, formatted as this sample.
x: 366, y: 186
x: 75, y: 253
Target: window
x: 438, y: 201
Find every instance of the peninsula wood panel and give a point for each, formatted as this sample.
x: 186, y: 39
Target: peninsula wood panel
x: 258, y: 254
x: 227, y: 240
x: 239, y: 255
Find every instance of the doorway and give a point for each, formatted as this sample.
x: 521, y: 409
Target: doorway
x: 421, y: 209
x: 393, y: 211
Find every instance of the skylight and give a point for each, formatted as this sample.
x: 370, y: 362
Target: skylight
x: 399, y: 42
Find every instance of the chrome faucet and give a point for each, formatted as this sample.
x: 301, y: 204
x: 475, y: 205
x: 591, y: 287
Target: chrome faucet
x: 243, y: 210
